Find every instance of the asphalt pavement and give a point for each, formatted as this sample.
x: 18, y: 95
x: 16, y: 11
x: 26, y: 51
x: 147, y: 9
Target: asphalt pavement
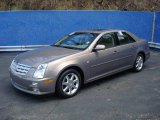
x: 124, y: 96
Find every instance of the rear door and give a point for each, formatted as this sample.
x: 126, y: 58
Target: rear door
x: 126, y: 49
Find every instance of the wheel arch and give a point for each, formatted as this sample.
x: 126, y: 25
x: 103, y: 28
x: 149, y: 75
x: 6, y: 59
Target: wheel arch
x: 142, y: 53
x: 75, y: 67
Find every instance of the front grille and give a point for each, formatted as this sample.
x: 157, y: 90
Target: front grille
x: 19, y: 68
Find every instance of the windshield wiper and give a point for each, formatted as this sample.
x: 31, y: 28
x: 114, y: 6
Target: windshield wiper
x: 67, y: 47
x: 56, y: 45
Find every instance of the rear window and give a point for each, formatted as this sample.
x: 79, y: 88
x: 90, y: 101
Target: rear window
x: 124, y: 38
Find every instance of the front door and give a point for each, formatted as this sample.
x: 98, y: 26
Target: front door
x: 104, y: 61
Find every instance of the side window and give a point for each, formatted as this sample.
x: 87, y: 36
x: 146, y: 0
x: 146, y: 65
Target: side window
x: 107, y: 40
x: 124, y: 38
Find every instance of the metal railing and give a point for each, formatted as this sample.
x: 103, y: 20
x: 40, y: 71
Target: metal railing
x: 20, y: 48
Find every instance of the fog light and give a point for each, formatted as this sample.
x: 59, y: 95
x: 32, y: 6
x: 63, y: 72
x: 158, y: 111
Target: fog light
x: 34, y: 84
x: 36, y: 90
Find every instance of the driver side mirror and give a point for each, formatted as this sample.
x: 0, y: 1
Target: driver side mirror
x: 99, y: 47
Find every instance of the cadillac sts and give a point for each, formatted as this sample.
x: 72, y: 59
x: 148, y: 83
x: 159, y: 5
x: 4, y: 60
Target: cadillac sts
x: 76, y: 59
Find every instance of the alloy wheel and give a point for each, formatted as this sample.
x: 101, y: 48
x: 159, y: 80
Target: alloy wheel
x: 70, y: 84
x: 139, y: 63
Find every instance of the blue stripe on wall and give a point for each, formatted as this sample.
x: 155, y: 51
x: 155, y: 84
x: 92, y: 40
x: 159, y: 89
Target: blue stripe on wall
x: 45, y: 27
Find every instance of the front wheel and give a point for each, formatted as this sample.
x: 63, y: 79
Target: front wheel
x: 139, y: 62
x: 68, y: 83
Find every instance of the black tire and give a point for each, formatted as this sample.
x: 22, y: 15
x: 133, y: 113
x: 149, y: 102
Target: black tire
x: 63, y: 77
x: 136, y: 67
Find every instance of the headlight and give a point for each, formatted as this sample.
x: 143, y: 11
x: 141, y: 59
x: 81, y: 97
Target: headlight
x: 39, y: 73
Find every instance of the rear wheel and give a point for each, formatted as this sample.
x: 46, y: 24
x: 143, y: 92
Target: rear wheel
x: 139, y: 62
x: 68, y: 83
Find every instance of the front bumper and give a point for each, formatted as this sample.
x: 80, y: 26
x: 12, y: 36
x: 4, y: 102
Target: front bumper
x: 32, y: 86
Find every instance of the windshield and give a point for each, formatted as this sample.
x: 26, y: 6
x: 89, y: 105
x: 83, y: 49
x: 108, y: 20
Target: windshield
x: 76, y: 40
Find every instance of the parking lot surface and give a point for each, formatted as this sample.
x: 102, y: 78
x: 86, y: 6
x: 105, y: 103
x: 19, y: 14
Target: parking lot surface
x: 124, y: 96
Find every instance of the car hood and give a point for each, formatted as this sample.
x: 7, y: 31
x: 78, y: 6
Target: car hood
x: 44, y: 55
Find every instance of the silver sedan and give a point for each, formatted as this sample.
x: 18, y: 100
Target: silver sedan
x: 76, y: 59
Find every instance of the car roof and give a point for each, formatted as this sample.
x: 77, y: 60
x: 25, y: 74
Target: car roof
x: 99, y: 31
